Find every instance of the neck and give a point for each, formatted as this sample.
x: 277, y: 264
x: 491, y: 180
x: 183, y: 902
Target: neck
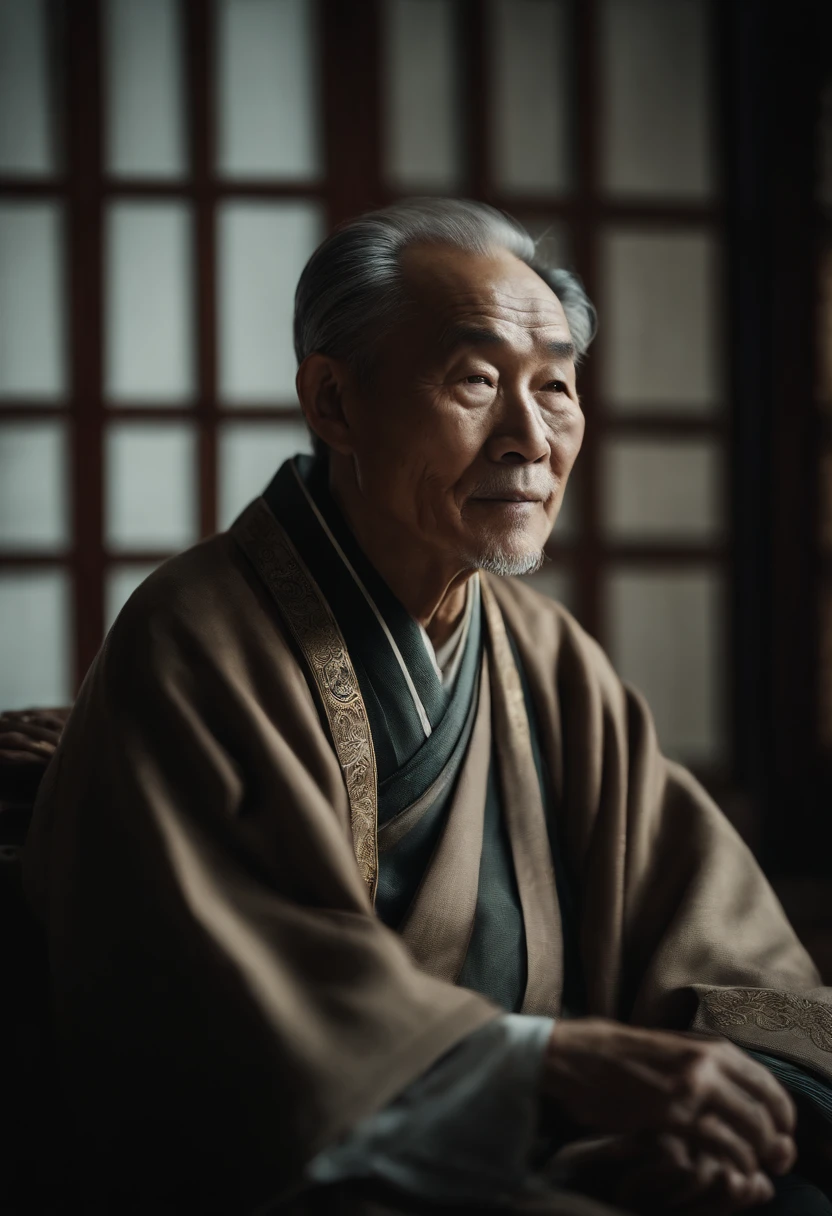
x: 429, y: 585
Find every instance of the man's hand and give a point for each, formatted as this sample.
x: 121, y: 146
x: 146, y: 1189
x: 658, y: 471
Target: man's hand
x: 704, y: 1092
x: 656, y: 1173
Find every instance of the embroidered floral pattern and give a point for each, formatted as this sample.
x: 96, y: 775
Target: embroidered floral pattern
x: 316, y: 632
x: 772, y: 1011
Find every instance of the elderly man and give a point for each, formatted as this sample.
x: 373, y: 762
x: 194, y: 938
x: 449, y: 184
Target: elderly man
x: 366, y: 885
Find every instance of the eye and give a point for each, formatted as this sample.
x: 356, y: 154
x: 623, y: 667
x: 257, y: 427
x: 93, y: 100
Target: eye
x: 556, y: 386
x: 478, y: 379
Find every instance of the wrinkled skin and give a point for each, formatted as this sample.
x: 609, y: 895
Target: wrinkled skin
x: 700, y: 1125
x: 456, y: 451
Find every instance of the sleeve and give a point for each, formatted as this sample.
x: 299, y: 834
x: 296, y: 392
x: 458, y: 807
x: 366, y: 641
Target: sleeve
x: 225, y: 1002
x: 705, y: 940
x: 463, y: 1131
x: 801, y: 1084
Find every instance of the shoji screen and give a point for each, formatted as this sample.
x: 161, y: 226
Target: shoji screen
x: 151, y: 238
x: 36, y: 531
x: 593, y: 123
x: 161, y: 186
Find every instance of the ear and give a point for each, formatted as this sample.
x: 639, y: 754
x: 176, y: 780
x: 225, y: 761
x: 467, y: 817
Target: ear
x: 321, y: 383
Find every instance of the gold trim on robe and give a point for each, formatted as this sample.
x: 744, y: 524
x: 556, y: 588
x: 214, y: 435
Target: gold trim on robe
x: 312, y: 625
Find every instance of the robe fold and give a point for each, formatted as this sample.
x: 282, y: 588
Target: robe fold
x: 245, y: 850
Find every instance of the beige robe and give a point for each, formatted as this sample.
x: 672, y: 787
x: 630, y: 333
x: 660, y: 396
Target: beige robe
x: 226, y: 1000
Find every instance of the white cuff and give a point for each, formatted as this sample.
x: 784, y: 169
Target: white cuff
x: 464, y: 1129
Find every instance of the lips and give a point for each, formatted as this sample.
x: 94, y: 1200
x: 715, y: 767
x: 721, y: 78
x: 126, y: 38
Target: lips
x: 506, y: 498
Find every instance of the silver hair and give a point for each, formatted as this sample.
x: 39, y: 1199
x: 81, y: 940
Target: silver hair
x: 350, y: 292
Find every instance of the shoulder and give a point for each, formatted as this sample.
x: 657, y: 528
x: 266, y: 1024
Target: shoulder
x: 201, y: 582
x: 202, y: 611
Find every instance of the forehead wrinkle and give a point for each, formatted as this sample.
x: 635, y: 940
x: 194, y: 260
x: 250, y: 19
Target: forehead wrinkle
x: 483, y: 303
x: 466, y: 321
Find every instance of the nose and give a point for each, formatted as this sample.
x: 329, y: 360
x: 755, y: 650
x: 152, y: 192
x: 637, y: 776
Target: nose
x: 519, y: 436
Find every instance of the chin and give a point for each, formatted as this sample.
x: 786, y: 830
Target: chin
x: 507, y: 558
x: 509, y: 564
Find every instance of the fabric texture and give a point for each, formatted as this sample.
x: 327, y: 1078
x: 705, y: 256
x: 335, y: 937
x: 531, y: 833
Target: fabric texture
x: 227, y: 1001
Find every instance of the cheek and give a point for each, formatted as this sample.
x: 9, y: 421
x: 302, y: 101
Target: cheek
x: 425, y: 441
x: 566, y: 445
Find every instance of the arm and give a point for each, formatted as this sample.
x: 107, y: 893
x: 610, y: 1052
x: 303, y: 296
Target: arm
x: 226, y: 1002
x: 464, y: 1130
x: 467, y: 1130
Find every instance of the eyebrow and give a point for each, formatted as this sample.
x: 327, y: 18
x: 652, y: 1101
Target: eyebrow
x: 475, y: 335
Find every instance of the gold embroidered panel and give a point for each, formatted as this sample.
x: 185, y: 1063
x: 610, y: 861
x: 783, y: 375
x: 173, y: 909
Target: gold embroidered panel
x: 316, y: 632
x: 729, y: 1009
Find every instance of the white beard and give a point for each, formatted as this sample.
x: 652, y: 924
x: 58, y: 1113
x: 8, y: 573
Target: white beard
x: 494, y: 561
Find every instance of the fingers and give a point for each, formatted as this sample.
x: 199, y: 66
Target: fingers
x: 753, y: 1122
x: 666, y: 1178
x: 615, y: 1078
x: 14, y: 758
x: 53, y: 719
x: 13, y: 743
x: 756, y: 1079
x: 30, y: 730
x: 707, y: 1090
x: 731, y: 1193
x: 700, y: 1186
x: 713, y: 1135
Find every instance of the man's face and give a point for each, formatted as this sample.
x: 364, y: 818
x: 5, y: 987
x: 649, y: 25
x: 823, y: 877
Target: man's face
x: 469, y: 429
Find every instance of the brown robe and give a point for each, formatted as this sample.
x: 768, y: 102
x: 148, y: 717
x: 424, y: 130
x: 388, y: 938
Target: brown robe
x: 226, y: 1000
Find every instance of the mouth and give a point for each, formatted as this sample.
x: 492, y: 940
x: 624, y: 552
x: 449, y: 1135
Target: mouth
x: 508, y: 498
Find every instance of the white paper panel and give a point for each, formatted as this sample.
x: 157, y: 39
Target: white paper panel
x: 263, y: 247
x: 34, y: 498
x: 249, y: 456
x: 35, y: 609
x: 656, y: 489
x: 145, y: 88
x: 269, y: 92
x: 421, y: 90
x: 661, y: 322
x: 32, y: 305
x: 26, y: 129
x: 121, y: 581
x: 531, y: 57
x: 149, y: 345
x: 656, y: 75
x: 665, y: 637
x: 555, y: 582
x: 151, y: 486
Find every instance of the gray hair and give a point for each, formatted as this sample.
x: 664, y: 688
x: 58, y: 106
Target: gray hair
x: 350, y: 292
